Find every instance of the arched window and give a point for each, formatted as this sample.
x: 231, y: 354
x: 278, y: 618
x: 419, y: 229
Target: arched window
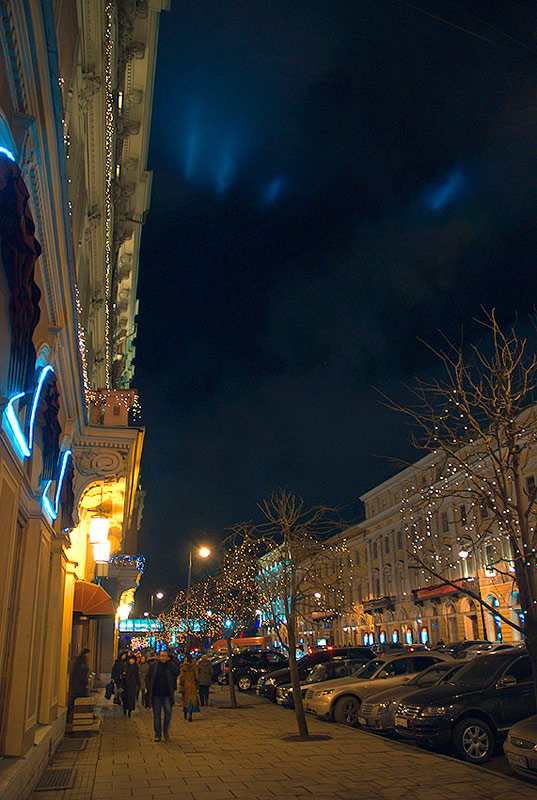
x: 371, y: 639
x: 495, y: 628
x: 424, y: 635
x: 382, y: 637
x: 395, y: 636
x: 408, y: 636
x: 518, y: 615
x: 365, y: 638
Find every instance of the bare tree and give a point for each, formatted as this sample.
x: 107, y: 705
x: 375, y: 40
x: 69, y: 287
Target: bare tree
x: 479, y: 423
x: 299, y: 570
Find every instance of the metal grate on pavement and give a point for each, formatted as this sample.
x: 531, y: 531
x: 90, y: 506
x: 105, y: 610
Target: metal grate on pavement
x: 55, y: 779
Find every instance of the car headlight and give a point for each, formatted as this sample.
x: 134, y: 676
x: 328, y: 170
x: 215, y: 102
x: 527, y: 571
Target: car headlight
x: 434, y: 711
x: 381, y: 707
x: 325, y: 692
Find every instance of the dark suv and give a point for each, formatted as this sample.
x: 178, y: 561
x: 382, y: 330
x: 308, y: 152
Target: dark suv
x: 268, y: 685
x: 251, y: 665
x: 472, y: 713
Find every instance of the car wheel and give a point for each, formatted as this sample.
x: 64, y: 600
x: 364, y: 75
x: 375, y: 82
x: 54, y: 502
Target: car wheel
x: 244, y: 683
x: 346, y: 710
x: 473, y: 741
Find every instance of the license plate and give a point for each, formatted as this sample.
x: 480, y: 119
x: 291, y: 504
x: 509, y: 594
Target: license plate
x: 520, y: 761
x: 362, y: 721
x: 402, y: 722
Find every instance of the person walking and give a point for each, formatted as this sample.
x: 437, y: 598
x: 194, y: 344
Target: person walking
x: 189, y: 682
x: 161, y: 684
x: 143, y: 668
x: 78, y: 680
x: 205, y: 671
x: 115, y: 675
x: 130, y: 685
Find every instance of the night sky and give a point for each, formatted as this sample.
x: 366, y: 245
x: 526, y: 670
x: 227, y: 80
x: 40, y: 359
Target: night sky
x: 332, y: 181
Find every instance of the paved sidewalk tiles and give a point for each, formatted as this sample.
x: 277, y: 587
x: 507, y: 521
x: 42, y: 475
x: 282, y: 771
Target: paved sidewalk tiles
x: 241, y: 754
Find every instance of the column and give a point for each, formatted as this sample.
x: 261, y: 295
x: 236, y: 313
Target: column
x: 48, y: 706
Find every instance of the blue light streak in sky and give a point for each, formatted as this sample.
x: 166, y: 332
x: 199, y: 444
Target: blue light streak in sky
x: 273, y: 191
x: 442, y: 194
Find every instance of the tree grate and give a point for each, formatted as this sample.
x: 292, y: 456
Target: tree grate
x: 55, y: 779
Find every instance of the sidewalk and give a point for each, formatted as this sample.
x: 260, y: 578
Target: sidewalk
x: 242, y: 754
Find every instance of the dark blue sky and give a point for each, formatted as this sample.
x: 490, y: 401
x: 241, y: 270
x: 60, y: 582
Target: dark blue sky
x: 332, y: 180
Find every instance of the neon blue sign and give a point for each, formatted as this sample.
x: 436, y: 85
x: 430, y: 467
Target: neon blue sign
x: 25, y: 446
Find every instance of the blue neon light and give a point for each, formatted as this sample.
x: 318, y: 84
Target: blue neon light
x: 7, y: 153
x: 37, y: 394
x: 18, y: 438
x: 52, y: 510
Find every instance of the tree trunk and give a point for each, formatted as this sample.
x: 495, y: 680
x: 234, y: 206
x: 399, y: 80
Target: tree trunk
x: 232, y: 695
x: 295, y: 679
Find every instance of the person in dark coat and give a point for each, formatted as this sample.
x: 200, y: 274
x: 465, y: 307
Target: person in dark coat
x: 189, y: 682
x: 79, y: 680
x: 115, y: 675
x: 143, y: 666
x: 161, y: 685
x: 130, y: 685
x: 205, y: 671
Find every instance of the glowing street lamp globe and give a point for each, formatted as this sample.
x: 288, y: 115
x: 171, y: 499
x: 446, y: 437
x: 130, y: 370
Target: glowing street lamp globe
x: 159, y: 595
x: 98, y: 533
x: 204, y: 552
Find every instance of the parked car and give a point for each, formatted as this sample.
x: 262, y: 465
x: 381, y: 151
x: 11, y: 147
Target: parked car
x: 217, y: 664
x: 250, y: 666
x: 341, y: 699
x: 474, y: 711
x: 378, y: 711
x: 326, y: 671
x: 481, y: 649
x: 521, y: 747
x: 456, y: 649
x: 267, y: 686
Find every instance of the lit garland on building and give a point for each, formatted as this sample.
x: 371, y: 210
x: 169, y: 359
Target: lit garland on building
x: 138, y: 562
x: 109, y: 151
x: 82, y: 345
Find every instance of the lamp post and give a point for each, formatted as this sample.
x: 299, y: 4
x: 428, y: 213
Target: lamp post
x: 203, y: 552
x: 158, y: 595
x: 464, y: 555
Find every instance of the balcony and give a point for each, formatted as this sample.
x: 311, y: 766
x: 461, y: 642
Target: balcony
x: 440, y: 589
x: 379, y: 604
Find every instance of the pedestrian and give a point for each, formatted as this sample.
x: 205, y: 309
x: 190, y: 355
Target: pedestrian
x: 115, y: 675
x: 161, y: 684
x: 78, y: 680
x: 205, y: 670
x: 130, y: 684
x: 143, y: 668
x: 189, y: 682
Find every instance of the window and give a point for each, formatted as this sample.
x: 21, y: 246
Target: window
x: 520, y: 670
x: 357, y: 557
x: 399, y: 667
x: 530, y: 484
x: 423, y: 662
x: 464, y: 518
x: 359, y: 593
x: 395, y: 636
x: 408, y: 636
x: 387, y: 544
x: 444, y: 522
x: 375, y: 549
x: 366, y: 555
x: 400, y: 540
x: 424, y: 635
x: 382, y: 637
x: 490, y: 559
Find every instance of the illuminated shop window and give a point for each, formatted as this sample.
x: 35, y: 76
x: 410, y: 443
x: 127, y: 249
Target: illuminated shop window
x: 382, y: 637
x: 408, y: 636
x: 424, y: 636
x: 395, y: 636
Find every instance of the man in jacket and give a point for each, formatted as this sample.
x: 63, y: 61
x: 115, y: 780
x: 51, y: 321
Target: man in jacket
x: 205, y: 671
x: 161, y: 684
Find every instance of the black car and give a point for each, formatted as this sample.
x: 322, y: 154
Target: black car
x: 251, y: 665
x: 456, y: 649
x: 339, y: 667
x: 474, y: 711
x: 268, y: 685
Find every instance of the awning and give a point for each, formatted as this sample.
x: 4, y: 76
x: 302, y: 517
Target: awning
x: 92, y: 600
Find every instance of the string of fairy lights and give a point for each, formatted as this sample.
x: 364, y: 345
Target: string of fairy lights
x: 108, y: 177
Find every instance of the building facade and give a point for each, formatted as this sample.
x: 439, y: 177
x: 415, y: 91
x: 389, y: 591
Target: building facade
x: 393, y: 598
x: 76, y: 83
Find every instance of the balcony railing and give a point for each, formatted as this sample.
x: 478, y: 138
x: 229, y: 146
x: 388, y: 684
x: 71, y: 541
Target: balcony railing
x: 379, y: 603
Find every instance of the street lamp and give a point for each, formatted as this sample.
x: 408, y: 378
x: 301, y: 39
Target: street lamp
x: 464, y: 555
x: 203, y: 552
x: 158, y: 595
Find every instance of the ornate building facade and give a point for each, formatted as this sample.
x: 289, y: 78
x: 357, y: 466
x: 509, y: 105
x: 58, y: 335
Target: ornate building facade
x: 76, y: 85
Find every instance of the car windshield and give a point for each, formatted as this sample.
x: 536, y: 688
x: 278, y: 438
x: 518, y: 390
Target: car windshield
x: 482, y: 670
x: 369, y: 669
x: 430, y: 676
